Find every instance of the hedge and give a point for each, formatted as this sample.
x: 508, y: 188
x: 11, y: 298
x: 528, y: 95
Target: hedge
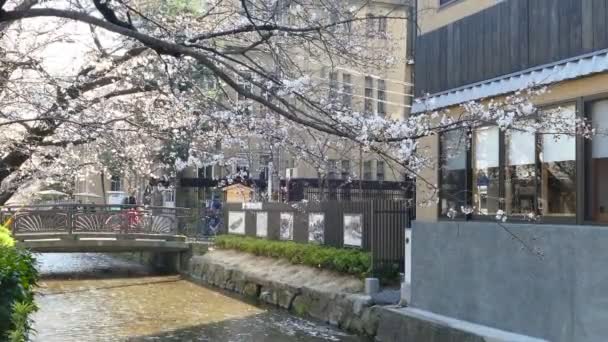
x: 18, y: 276
x: 349, y: 261
x: 5, y: 237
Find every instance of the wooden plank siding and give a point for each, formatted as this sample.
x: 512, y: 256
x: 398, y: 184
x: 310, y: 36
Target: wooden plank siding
x: 510, y: 36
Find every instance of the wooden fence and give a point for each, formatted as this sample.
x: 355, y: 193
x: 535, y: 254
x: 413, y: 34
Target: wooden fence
x: 377, y: 226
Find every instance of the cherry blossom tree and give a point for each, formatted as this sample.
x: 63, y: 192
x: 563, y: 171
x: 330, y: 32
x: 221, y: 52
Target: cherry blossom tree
x: 194, y: 76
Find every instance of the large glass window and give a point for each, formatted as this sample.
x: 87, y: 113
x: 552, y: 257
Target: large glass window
x: 520, y: 173
x: 453, y: 170
x: 558, y: 167
x: 486, y: 180
x: 597, y: 179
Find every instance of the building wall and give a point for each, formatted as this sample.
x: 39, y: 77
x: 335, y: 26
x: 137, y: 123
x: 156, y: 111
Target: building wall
x: 91, y: 182
x: 432, y: 16
x: 511, y: 36
x: 476, y: 271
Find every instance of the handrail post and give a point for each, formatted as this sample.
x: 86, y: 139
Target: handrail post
x: 70, y: 219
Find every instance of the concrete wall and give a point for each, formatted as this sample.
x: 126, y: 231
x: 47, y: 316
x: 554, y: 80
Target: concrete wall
x: 476, y: 271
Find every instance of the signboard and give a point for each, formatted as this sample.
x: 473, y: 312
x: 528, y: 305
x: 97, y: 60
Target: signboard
x: 252, y: 205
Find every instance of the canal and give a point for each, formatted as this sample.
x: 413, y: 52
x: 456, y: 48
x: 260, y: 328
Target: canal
x: 94, y: 297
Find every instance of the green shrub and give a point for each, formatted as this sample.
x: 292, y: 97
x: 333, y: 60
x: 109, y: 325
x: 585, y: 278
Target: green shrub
x: 18, y: 276
x: 5, y: 237
x: 349, y: 261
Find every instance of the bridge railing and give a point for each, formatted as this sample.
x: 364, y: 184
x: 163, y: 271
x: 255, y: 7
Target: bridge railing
x: 90, y: 218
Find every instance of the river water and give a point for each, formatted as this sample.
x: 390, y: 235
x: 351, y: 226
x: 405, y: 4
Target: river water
x: 94, y: 297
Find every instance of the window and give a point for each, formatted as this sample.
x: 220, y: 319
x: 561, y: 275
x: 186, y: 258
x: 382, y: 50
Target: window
x: 381, y: 98
x: 558, y: 168
x: 347, y: 96
x: 369, y: 95
x: 367, y: 170
x: 264, y: 162
x: 486, y: 193
x: 206, y: 172
x: 369, y: 25
x: 382, y: 26
x: 380, y: 170
x: 444, y: 2
x: 520, y: 173
x: 245, y: 83
x: 453, y: 170
x: 345, y: 169
x: 597, y: 165
x: 332, y: 169
x: 333, y: 85
x: 115, y: 183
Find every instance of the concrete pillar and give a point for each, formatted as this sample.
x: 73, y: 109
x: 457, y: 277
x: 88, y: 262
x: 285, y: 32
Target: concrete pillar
x: 406, y: 285
x: 372, y: 286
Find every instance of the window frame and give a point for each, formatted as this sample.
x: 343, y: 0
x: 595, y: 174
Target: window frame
x: 116, y: 179
x: 468, y: 176
x: 471, y: 174
x: 378, y: 168
x: 584, y: 149
x: 381, y: 107
x: 557, y: 219
x: 368, y: 101
x: 347, y: 90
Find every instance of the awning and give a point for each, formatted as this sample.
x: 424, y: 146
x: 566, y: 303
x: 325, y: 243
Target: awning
x: 566, y: 69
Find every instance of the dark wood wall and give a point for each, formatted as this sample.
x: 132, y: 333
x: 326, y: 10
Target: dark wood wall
x: 511, y: 36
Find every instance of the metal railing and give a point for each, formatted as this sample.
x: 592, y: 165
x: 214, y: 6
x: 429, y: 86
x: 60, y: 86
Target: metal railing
x: 90, y: 218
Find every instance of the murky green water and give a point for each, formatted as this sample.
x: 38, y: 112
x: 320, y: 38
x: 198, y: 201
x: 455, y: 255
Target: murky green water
x: 89, y: 297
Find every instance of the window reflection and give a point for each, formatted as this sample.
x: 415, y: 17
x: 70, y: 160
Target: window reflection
x: 453, y: 170
x: 486, y: 193
x: 520, y: 173
x: 558, y: 169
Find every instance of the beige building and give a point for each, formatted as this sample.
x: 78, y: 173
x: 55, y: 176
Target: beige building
x: 375, y: 90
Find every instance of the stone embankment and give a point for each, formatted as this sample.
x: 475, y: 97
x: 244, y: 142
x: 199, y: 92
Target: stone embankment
x: 306, y: 291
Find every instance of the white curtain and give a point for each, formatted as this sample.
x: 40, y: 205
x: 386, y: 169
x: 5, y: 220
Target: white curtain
x: 486, y: 147
x: 560, y: 147
x: 522, y: 147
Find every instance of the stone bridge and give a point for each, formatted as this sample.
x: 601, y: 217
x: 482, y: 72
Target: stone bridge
x: 78, y: 228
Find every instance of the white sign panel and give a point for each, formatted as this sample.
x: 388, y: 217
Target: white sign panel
x: 286, y: 226
x: 316, y: 227
x: 261, y: 224
x: 353, y: 230
x: 236, y: 222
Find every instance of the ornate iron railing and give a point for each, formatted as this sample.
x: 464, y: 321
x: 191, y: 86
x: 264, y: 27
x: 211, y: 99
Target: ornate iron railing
x: 79, y: 218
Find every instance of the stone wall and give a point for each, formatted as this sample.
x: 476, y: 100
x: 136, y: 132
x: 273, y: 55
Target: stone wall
x: 305, y: 291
